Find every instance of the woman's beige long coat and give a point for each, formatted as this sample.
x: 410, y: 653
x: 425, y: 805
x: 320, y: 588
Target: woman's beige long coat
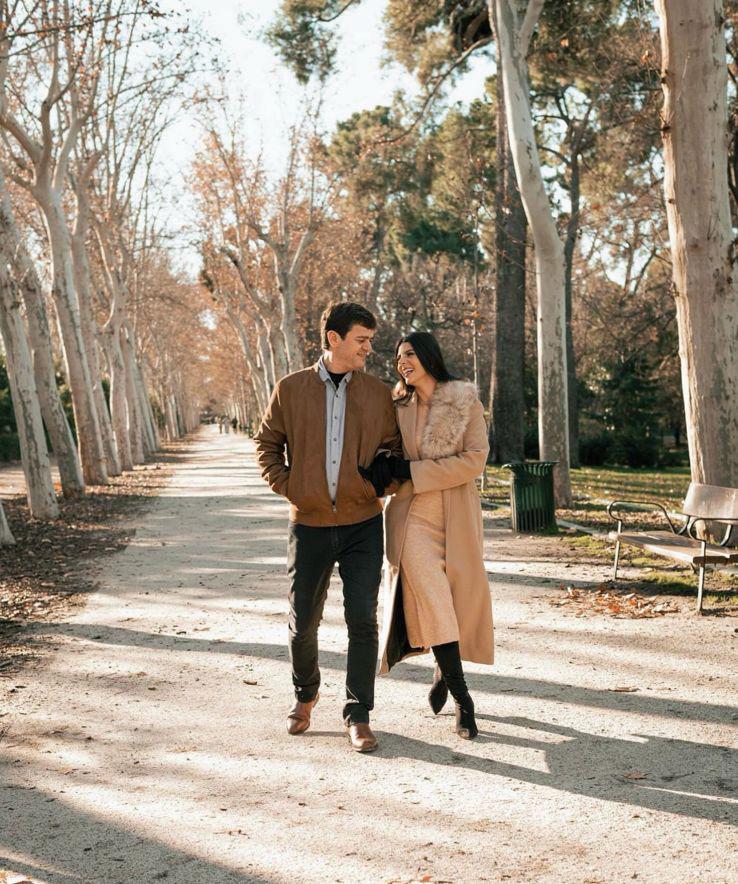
x: 455, y: 448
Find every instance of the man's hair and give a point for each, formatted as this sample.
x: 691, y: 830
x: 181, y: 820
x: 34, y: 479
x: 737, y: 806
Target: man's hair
x: 341, y: 316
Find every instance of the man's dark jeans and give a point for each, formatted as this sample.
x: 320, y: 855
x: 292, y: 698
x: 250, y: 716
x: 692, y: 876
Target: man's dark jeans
x: 312, y: 553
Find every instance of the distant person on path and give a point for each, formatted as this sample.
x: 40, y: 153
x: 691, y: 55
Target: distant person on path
x: 332, y: 419
x: 440, y: 597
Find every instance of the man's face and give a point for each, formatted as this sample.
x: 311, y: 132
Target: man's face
x: 350, y: 353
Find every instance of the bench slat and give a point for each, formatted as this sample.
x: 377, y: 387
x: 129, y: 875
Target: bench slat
x: 673, y: 546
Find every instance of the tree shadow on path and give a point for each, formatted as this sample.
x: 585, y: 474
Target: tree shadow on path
x: 650, y: 772
x: 654, y: 772
x: 43, y: 837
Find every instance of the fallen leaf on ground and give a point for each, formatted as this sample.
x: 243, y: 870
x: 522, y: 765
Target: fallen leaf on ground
x: 604, y: 599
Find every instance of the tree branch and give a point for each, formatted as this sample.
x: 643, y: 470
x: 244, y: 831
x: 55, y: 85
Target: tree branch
x: 532, y: 14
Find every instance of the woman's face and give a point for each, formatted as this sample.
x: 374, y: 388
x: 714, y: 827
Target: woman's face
x: 408, y: 364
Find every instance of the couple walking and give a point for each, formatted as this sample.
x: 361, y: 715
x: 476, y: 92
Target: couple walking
x: 334, y: 441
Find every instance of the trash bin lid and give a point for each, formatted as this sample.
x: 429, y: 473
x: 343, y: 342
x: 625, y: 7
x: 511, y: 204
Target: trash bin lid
x: 531, y: 467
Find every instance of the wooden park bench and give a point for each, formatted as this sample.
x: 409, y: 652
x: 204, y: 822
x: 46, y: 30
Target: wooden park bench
x: 704, y: 504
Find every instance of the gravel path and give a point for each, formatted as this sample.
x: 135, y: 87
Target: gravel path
x: 148, y: 743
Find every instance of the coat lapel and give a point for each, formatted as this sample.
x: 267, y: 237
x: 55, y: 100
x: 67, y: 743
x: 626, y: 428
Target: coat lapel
x: 407, y: 416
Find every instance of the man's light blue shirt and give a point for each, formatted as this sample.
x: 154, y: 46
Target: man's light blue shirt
x: 335, y: 419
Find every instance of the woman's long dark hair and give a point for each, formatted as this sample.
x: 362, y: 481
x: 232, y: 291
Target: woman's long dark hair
x: 429, y: 355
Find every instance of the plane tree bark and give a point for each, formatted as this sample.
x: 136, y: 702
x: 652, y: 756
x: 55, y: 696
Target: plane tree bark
x: 695, y: 135
x: 15, y: 254
x: 34, y: 455
x: 514, y: 32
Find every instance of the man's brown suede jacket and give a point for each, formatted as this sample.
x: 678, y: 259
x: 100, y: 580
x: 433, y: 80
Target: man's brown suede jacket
x: 295, y: 420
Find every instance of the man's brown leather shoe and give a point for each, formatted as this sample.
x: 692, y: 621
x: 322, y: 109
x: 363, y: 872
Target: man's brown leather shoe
x: 298, y: 718
x: 361, y: 737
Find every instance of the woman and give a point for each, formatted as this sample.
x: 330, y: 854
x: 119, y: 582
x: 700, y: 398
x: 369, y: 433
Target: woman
x: 439, y: 596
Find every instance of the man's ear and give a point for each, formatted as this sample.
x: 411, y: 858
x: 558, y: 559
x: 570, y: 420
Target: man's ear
x: 334, y: 339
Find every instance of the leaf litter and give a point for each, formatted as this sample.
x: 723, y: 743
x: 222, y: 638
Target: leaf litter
x: 603, y: 599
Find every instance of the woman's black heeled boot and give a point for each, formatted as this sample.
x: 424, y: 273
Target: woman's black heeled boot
x: 438, y: 694
x: 466, y: 724
x: 448, y: 658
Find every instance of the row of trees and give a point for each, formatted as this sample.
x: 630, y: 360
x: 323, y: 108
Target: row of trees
x: 526, y: 229
x: 86, y: 92
x: 553, y: 181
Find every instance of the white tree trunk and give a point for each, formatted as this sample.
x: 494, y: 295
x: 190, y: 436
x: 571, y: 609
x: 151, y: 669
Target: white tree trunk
x: 152, y: 397
x: 695, y: 134
x: 13, y: 252
x: 288, y: 327
x: 89, y: 438
x: 147, y: 392
x: 549, y: 250
x: 118, y: 403
x: 170, y: 417
x: 261, y: 390
x: 134, y: 414
x: 278, y: 353
x: 34, y: 455
x: 82, y: 279
x: 6, y: 535
x: 142, y: 397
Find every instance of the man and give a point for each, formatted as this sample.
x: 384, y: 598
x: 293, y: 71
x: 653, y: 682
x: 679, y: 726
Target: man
x: 332, y: 418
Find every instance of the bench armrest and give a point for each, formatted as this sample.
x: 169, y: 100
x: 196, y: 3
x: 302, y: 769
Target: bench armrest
x: 642, y: 505
x: 693, y: 520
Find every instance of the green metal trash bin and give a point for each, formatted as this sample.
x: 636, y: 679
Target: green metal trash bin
x: 532, y: 495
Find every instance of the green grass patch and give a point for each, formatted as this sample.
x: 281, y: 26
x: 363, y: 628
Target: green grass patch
x: 593, y: 487
x: 667, y: 485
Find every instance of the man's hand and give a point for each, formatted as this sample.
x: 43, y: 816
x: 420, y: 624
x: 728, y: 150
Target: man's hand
x: 399, y: 468
x: 378, y: 473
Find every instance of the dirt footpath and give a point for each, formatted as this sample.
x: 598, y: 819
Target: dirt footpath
x: 149, y: 743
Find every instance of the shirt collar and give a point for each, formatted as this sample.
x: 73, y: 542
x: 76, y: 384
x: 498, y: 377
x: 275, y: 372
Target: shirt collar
x: 325, y: 376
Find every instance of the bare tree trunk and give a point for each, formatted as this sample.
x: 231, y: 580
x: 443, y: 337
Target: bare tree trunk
x: 6, y: 535
x: 118, y: 402
x: 14, y: 252
x: 507, y: 399
x: 170, y: 421
x: 572, y: 230
x: 261, y: 387
x: 695, y: 133
x: 89, y: 333
x: 64, y: 295
x: 149, y: 424
x: 132, y: 404
x: 278, y: 351
x: 266, y: 377
x: 113, y: 335
x: 287, y: 285
x: 34, y: 455
x: 553, y: 431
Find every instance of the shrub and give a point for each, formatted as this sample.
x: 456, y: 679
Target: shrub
x: 594, y: 449
x: 9, y: 447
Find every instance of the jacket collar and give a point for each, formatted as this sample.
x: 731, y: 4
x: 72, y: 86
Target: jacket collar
x: 323, y: 374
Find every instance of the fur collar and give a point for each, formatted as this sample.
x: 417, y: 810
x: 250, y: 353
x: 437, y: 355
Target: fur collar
x: 448, y: 416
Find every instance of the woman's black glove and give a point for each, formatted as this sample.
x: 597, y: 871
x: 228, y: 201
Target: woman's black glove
x: 378, y: 473
x: 399, y: 468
